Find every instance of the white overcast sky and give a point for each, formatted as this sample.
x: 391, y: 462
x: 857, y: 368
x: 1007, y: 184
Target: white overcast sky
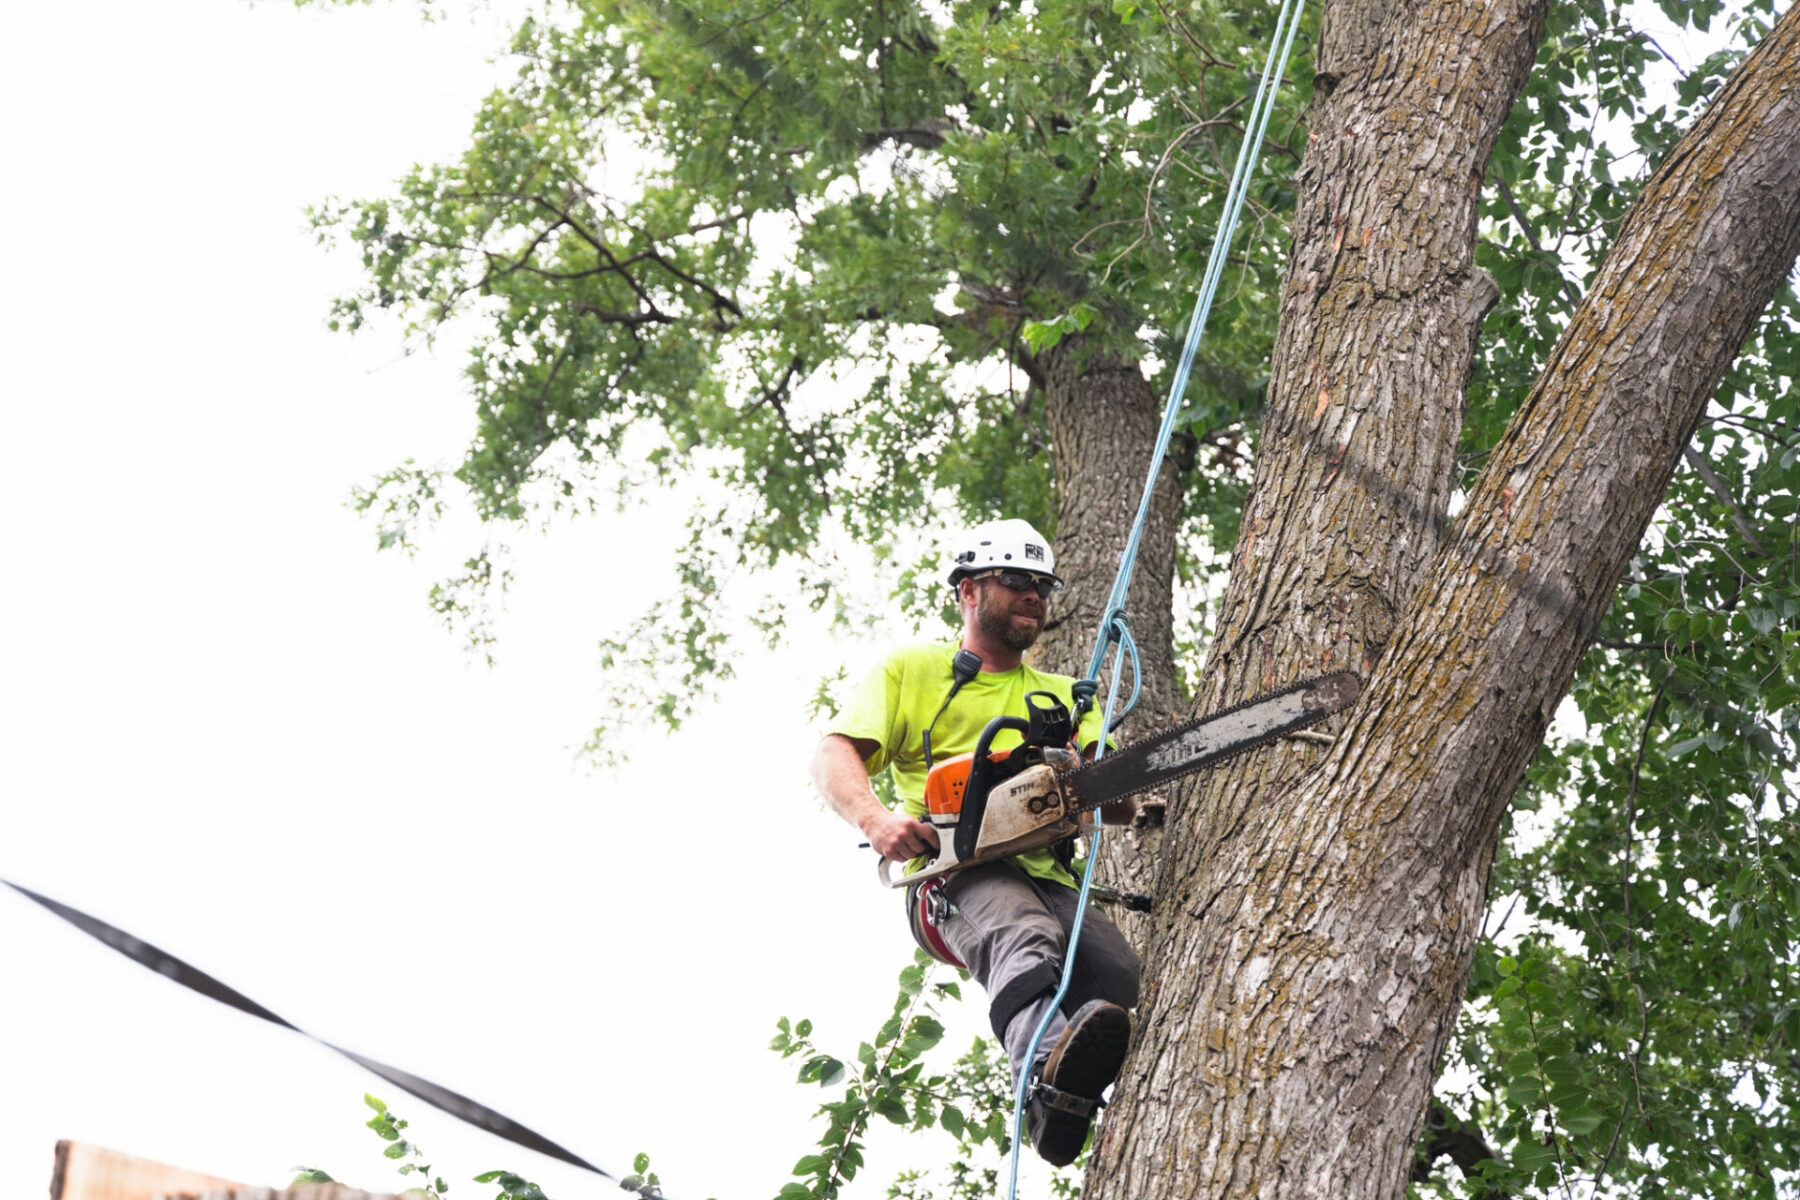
x: 233, y: 729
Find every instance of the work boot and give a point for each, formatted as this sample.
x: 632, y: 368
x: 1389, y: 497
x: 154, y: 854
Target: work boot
x: 1084, y: 1062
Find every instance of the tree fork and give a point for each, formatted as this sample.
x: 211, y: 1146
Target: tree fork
x: 1318, y: 911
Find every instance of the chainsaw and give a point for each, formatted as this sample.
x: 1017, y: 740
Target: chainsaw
x: 991, y: 804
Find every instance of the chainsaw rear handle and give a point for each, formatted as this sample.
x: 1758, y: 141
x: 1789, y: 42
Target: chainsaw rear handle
x: 886, y: 866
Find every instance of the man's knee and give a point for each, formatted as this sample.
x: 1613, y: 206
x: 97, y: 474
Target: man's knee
x: 1019, y: 993
x: 1113, y: 965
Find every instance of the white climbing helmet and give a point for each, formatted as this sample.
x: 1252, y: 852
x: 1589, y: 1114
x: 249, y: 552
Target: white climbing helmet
x: 1010, y: 544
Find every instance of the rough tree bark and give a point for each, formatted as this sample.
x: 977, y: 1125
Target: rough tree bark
x: 1102, y: 413
x: 1318, y: 908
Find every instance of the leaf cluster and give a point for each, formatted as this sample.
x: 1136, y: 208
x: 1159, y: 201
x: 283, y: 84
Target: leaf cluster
x: 388, y: 1128
x: 894, y: 1076
x: 815, y: 256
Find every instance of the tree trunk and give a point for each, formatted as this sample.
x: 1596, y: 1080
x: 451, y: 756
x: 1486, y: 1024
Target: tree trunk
x: 1318, y: 908
x: 1103, y: 419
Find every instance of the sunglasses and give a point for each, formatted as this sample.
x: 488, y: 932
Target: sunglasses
x: 1023, y: 581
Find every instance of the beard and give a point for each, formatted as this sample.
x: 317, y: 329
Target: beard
x: 994, y: 617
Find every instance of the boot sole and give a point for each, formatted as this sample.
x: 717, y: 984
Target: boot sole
x: 1085, y: 1062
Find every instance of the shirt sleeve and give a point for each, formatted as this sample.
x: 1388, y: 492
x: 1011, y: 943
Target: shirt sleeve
x: 873, y: 713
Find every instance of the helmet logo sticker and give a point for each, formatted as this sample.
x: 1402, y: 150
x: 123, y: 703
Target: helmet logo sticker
x: 1033, y: 552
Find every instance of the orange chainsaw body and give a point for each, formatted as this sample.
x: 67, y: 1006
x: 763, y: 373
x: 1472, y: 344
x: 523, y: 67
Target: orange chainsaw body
x: 1026, y: 811
x: 945, y: 786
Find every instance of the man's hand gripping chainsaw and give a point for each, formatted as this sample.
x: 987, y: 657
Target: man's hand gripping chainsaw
x: 993, y: 804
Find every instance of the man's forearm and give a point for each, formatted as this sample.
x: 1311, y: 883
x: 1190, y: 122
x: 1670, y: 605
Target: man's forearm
x: 839, y: 775
x: 841, y: 778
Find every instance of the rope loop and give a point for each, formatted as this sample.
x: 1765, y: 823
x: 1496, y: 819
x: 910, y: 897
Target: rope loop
x: 1127, y: 650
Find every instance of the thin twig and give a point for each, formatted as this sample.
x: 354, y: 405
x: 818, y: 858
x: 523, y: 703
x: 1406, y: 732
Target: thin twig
x: 1716, y: 486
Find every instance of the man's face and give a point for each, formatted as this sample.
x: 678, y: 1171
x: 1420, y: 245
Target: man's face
x: 1014, y: 619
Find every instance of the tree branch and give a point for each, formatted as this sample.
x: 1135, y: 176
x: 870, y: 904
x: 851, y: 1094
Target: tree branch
x: 633, y: 319
x: 1637, y: 1053
x: 926, y: 135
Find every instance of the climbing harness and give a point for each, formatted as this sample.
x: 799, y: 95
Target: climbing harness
x: 927, y: 908
x: 1114, y: 633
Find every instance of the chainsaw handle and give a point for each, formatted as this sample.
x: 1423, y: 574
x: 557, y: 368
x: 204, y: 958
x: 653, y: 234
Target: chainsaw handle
x: 1049, y: 720
x: 981, y: 778
x: 981, y: 768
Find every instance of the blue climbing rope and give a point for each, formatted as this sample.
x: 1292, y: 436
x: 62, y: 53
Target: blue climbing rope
x: 1114, y: 632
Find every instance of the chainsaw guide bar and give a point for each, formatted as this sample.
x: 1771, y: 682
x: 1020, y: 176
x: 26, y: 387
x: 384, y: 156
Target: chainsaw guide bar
x: 1170, y: 754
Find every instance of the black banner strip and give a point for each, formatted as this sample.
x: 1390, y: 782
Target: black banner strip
x: 194, y: 979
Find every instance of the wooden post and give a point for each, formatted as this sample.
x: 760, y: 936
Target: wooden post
x: 86, y: 1172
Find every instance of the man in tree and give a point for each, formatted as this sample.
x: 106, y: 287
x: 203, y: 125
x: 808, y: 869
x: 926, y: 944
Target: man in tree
x: 1032, y: 184
x: 1011, y: 919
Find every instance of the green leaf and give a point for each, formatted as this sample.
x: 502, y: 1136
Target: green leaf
x: 1581, y: 1121
x: 1531, y: 1155
x: 952, y: 1120
x: 1524, y: 1091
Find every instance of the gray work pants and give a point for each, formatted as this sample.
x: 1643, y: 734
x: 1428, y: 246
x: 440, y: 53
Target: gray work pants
x: 1012, y: 929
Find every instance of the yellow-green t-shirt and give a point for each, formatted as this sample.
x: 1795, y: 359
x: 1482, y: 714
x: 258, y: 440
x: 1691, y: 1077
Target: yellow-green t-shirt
x: 896, y: 702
